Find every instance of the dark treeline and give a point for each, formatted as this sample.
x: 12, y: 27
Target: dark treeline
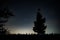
x: 30, y: 37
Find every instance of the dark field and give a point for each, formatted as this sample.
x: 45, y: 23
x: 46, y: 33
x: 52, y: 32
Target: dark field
x: 30, y: 37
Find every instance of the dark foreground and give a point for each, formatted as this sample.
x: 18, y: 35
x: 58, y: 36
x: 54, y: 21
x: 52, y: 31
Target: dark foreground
x: 30, y: 37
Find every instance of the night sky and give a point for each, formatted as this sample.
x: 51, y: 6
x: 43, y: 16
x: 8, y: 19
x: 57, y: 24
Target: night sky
x: 25, y: 13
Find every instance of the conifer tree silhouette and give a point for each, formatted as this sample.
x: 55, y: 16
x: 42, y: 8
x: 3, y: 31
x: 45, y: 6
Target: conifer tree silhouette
x: 39, y: 24
x: 4, y: 15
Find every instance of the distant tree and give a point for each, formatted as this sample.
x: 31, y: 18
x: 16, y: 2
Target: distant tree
x: 4, y: 15
x: 39, y: 26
